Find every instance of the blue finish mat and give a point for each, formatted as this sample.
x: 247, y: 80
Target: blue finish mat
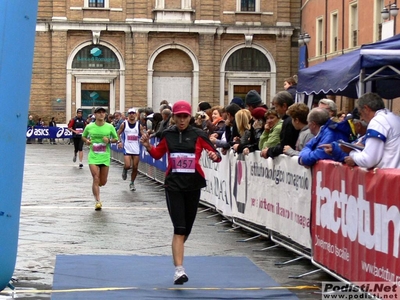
x: 151, y: 277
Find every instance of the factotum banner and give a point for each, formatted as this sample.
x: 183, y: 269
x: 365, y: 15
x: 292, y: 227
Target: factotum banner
x: 356, y: 222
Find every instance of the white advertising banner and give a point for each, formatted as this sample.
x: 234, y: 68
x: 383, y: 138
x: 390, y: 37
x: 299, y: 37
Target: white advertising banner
x: 275, y: 193
x: 239, y: 184
x: 217, y: 192
x: 280, y: 196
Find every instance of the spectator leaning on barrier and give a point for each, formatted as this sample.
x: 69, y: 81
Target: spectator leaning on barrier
x: 245, y: 129
x: 382, y: 141
x: 342, y: 128
x: 259, y: 121
x: 272, y: 129
x: 299, y: 112
x: 317, y: 121
x: 217, y: 121
x: 336, y: 151
x: 202, y: 118
x: 289, y: 134
x: 231, y: 130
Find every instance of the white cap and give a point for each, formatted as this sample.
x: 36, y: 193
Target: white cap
x: 132, y: 110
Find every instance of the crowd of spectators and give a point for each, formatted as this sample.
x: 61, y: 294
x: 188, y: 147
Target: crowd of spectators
x: 247, y: 125
x: 289, y: 128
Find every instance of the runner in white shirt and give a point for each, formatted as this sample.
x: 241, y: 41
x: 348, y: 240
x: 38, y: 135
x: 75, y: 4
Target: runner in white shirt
x: 128, y: 133
x: 383, y: 135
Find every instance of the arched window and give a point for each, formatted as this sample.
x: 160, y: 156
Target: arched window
x: 248, y: 59
x: 95, y: 57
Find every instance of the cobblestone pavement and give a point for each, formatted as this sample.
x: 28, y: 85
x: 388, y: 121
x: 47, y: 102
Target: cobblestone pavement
x: 58, y: 217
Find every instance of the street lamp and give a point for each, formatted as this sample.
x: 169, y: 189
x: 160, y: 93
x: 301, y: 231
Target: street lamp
x: 304, y: 39
x: 390, y: 10
x: 393, y: 11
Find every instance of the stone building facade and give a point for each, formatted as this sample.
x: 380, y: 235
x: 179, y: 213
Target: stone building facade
x: 135, y: 53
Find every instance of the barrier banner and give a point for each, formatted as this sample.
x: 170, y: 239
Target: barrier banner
x: 239, y: 184
x: 48, y: 132
x: 162, y: 163
x: 145, y: 157
x: 356, y: 222
x: 217, y: 192
x: 279, y: 196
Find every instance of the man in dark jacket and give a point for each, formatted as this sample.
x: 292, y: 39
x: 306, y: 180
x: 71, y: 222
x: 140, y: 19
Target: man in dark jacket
x: 166, y: 115
x: 290, y: 86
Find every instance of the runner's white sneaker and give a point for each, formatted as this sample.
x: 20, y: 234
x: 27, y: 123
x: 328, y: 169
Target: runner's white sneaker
x: 132, y: 186
x: 180, y: 277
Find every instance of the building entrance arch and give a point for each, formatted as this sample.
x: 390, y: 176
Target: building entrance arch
x: 189, y: 84
x: 264, y: 81
x: 95, y: 72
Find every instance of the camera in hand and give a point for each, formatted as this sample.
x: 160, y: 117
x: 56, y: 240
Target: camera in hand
x: 200, y: 115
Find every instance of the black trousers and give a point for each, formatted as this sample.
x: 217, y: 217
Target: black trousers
x: 182, y: 208
x: 78, y: 144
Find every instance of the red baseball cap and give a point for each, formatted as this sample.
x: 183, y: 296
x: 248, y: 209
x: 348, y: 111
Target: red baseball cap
x: 182, y: 107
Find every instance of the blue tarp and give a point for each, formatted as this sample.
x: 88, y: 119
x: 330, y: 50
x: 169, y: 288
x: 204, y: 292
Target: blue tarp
x: 341, y: 75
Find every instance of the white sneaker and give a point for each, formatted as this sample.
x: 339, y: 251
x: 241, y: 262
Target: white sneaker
x: 180, y: 277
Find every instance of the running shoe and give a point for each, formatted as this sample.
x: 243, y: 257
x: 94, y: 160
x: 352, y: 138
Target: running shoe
x: 98, y: 205
x: 132, y: 186
x: 180, y: 277
x: 74, y: 158
x: 80, y: 166
x: 124, y: 174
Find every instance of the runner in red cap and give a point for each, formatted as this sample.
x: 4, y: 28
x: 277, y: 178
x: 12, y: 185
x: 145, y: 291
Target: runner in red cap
x: 184, y: 176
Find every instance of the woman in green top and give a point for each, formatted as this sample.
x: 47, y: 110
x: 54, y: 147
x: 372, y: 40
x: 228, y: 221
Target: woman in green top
x: 99, y: 135
x: 272, y: 129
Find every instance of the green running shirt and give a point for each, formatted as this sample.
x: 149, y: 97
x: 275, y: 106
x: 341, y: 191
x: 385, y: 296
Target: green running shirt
x: 100, y: 152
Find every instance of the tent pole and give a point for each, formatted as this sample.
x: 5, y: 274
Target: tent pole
x: 361, y: 84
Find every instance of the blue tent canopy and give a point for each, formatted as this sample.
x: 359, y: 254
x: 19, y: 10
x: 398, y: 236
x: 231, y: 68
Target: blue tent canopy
x: 372, y: 68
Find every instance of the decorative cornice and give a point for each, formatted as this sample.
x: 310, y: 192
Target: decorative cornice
x: 146, y: 27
